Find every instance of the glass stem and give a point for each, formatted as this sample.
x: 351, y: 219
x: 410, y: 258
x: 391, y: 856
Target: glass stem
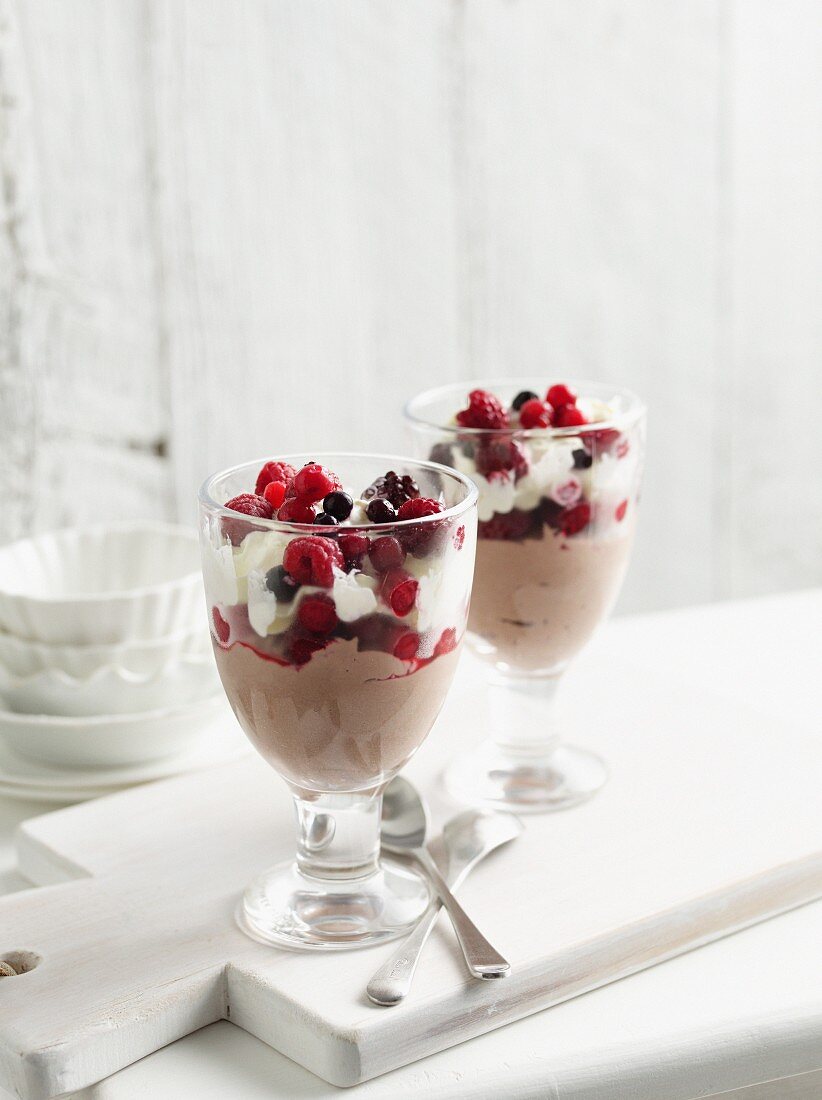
x: 338, y: 835
x: 523, y: 715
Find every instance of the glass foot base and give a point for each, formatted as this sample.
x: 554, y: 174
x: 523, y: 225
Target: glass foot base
x: 289, y: 909
x: 497, y: 779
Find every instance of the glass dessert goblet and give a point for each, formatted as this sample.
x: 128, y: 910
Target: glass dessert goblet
x: 558, y: 477
x: 336, y: 633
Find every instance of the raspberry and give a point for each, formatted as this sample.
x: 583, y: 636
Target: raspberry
x: 407, y: 645
x: 313, y: 482
x: 296, y: 510
x: 501, y: 456
x: 620, y: 511
x: 354, y: 548
x: 274, y: 493
x: 567, y: 416
x: 221, y: 627
x: 573, y: 520
x: 399, y: 590
x: 535, y: 414
x: 459, y: 538
x: 273, y: 471
x: 447, y: 642
x: 484, y: 411
x: 317, y: 614
x: 386, y: 553
x: 560, y: 395
x: 604, y: 440
x: 422, y: 506
x: 311, y: 560
x: 393, y: 488
x: 302, y: 650
x: 509, y: 527
x: 250, y: 505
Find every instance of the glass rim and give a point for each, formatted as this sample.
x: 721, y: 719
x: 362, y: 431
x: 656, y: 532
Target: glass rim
x: 634, y: 412
x: 472, y: 494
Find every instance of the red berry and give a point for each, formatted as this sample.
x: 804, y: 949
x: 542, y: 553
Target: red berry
x: 560, y: 395
x: 447, y: 642
x: 484, y: 411
x: 568, y: 416
x: 573, y: 520
x: 419, y: 507
x: 501, y: 456
x: 274, y: 493
x: 250, y: 505
x: 407, y: 645
x: 317, y: 614
x: 354, y: 547
x: 296, y: 510
x: 302, y: 650
x: 459, y: 538
x: 535, y: 414
x: 620, y: 511
x: 399, y: 590
x: 221, y: 627
x: 313, y: 482
x: 386, y: 553
x: 311, y: 560
x: 510, y: 527
x: 273, y: 471
x: 622, y: 448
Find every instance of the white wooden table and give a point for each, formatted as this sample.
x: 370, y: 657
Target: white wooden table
x: 741, y: 1017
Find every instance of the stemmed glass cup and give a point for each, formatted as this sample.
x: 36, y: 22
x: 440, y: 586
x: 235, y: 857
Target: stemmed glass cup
x: 557, y: 514
x: 336, y: 647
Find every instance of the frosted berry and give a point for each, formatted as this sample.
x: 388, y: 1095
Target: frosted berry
x: 496, y: 456
x: 522, y: 397
x: 296, y: 510
x: 567, y: 416
x: 338, y: 504
x: 282, y: 584
x: 317, y: 614
x: 421, y: 506
x: 273, y: 471
x: 484, y: 411
x: 221, y: 627
x: 399, y: 590
x: 386, y: 553
x: 380, y: 510
x: 573, y: 520
x: 274, y: 493
x: 312, y: 559
x: 313, y: 482
x: 535, y: 414
x: 560, y: 395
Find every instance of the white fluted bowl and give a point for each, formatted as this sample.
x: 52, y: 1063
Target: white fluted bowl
x: 108, y: 740
x: 112, y: 583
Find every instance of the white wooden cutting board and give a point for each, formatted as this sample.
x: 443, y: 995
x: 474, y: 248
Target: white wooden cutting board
x: 710, y: 822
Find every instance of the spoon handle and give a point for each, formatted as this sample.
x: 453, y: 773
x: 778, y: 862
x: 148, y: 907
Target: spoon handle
x: 392, y: 982
x: 482, y: 959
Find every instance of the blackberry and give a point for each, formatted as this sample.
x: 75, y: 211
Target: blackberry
x: 393, y: 488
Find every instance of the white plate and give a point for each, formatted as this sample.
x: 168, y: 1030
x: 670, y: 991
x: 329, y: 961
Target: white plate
x: 23, y: 779
x: 109, y: 583
x: 106, y: 741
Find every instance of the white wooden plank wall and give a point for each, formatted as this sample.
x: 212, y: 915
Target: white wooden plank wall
x: 236, y: 229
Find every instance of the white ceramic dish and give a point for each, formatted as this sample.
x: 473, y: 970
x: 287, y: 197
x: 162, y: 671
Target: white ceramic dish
x: 119, y: 582
x: 25, y: 779
x: 107, y: 741
x: 109, y: 690
x: 23, y: 658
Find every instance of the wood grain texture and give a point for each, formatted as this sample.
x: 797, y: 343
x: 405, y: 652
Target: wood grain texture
x: 145, y: 950
x: 240, y: 229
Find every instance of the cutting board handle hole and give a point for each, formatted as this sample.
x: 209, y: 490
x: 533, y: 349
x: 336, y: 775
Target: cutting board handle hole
x: 13, y: 963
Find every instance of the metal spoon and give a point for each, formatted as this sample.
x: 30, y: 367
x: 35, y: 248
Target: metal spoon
x: 466, y: 839
x: 404, y: 824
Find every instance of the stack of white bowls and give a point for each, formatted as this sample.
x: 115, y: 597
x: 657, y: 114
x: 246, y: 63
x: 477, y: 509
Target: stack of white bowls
x: 106, y: 673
